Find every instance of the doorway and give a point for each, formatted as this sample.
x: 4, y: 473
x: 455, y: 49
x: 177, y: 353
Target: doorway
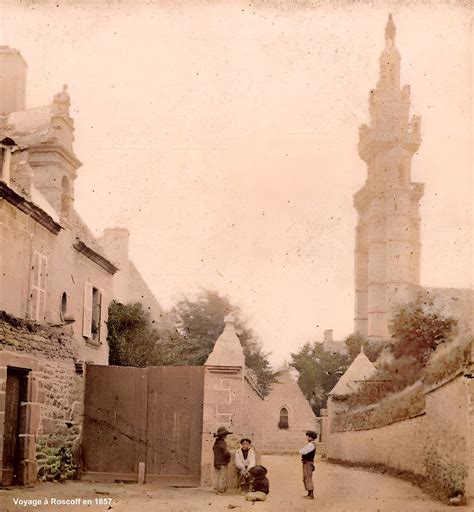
x: 16, y: 393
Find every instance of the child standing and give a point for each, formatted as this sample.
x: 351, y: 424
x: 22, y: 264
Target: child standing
x: 221, y: 460
x: 307, y: 457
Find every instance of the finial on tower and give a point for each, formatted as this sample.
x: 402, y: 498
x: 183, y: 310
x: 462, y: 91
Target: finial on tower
x: 62, y: 101
x: 390, y: 30
x: 229, y: 319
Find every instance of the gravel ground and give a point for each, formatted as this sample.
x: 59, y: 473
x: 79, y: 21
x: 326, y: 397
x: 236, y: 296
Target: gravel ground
x: 338, y: 489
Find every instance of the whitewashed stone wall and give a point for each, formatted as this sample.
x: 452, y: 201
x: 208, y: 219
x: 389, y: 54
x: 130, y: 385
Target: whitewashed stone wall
x: 435, y: 445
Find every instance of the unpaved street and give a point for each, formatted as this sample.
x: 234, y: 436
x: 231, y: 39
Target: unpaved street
x: 339, y: 489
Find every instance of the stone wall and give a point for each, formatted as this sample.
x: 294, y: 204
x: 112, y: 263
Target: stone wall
x: 52, y: 414
x: 433, y: 446
x: 67, y: 272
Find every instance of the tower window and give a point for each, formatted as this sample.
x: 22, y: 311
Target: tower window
x: 63, y: 305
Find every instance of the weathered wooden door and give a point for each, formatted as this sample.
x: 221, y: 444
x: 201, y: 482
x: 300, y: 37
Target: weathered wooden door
x: 151, y: 415
x: 16, y: 392
x: 174, y: 424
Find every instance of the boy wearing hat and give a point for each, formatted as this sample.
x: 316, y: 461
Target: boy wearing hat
x: 260, y: 484
x: 307, y: 457
x: 244, y: 462
x: 221, y: 460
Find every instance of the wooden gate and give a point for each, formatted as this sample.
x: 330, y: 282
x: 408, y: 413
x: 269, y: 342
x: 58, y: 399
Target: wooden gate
x: 151, y: 415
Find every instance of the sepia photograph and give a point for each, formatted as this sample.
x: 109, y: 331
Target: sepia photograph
x: 236, y: 261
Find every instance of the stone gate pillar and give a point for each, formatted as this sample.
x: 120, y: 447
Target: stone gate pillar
x: 223, y: 393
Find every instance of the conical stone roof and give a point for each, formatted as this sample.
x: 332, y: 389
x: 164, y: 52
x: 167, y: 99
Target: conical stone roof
x: 360, y: 369
x: 227, y: 350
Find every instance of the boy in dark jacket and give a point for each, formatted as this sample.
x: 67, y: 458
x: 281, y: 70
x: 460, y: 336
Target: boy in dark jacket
x: 307, y: 457
x: 221, y: 460
x: 260, y: 484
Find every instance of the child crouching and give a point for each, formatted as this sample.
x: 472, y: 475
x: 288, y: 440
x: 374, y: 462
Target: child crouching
x: 260, y: 484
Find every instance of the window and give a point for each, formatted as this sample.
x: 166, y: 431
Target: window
x: 63, y: 306
x: 66, y: 198
x: 92, y: 312
x: 283, y: 423
x: 38, y: 287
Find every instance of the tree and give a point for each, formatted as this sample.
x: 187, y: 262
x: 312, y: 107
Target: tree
x: 132, y: 340
x: 198, y: 323
x: 417, y: 329
x: 319, y: 372
x: 356, y: 341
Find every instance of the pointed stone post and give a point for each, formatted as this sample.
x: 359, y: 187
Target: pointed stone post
x: 223, y: 393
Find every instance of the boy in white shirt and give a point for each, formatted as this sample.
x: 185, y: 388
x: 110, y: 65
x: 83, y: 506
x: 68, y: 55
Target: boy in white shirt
x: 244, y: 461
x: 307, y: 457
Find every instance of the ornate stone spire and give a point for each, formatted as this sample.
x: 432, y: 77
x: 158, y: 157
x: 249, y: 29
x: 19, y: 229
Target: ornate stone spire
x: 387, y: 253
x: 389, y: 59
x: 390, y: 31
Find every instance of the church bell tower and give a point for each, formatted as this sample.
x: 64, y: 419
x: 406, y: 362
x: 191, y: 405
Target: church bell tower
x: 387, y: 252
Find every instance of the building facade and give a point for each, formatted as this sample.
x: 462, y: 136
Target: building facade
x: 56, y: 282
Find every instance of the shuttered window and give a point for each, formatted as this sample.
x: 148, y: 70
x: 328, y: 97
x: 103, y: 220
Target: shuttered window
x: 92, y: 315
x: 87, y: 311
x: 39, y: 275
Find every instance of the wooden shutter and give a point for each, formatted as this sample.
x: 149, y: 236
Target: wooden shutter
x: 39, y: 274
x: 87, y: 311
x: 42, y: 281
x: 99, y: 306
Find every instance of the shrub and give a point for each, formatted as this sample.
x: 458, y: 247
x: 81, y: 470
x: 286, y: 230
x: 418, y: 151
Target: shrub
x: 55, y: 463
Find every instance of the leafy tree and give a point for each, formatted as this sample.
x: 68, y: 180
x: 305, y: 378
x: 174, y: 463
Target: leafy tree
x: 132, y: 340
x: 198, y: 323
x: 319, y: 372
x: 185, y: 337
x: 417, y: 329
x: 356, y: 341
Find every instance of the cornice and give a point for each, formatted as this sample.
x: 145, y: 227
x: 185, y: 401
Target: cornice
x: 81, y: 247
x: 29, y: 208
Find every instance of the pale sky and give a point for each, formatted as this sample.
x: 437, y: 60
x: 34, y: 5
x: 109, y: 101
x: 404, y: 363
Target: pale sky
x: 224, y: 136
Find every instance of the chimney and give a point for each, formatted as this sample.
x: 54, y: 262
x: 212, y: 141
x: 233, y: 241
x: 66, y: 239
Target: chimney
x: 12, y: 80
x: 115, y: 242
x: 328, y: 336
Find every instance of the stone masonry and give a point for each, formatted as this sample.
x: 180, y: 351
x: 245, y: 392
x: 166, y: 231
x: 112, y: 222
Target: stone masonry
x: 387, y: 252
x: 55, y: 390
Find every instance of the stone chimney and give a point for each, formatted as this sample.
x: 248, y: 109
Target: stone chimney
x: 115, y: 242
x: 12, y: 80
x: 328, y: 336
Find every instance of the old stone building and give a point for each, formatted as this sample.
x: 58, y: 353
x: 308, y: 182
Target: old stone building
x: 55, y: 279
x: 287, y: 415
x: 276, y: 423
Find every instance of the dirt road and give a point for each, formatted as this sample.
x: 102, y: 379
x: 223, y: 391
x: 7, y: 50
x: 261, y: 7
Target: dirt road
x: 338, y: 489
